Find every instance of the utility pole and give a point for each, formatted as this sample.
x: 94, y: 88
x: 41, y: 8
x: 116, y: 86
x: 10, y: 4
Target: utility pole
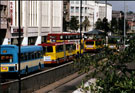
x: 106, y: 8
x: 19, y: 44
x: 124, y: 23
x: 80, y: 24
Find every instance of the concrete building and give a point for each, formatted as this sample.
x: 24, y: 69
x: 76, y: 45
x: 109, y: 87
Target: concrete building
x: 66, y: 14
x: 103, y: 12
x: 38, y: 18
x: 3, y: 20
x: 87, y: 10
x: 116, y: 14
x: 92, y: 10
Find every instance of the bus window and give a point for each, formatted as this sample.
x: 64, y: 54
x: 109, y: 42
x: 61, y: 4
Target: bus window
x: 39, y: 54
x: 22, y: 56
x: 68, y: 47
x: 98, y: 43
x: 59, y: 48
x: 25, y: 56
x: 74, y: 47
x: 33, y: 55
x: 29, y: 56
x: 89, y: 42
x: 49, y: 49
x: 82, y: 46
x: 6, y: 58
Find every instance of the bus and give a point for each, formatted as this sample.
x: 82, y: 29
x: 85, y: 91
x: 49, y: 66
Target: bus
x: 67, y: 37
x: 114, y: 42
x: 58, y: 52
x: 93, y: 45
x: 31, y: 59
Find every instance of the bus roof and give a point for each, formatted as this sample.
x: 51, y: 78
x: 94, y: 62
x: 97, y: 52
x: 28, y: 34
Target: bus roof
x: 55, y: 43
x: 23, y: 48
x: 92, y: 40
x: 63, y: 34
x: 8, y: 46
x: 30, y: 48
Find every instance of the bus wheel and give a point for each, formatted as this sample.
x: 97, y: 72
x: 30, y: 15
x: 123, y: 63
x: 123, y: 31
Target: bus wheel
x: 39, y: 67
x: 26, y: 71
x: 57, y: 61
x: 67, y: 59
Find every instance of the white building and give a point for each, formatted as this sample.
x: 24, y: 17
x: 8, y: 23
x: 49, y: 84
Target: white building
x: 38, y: 18
x: 87, y: 10
x: 103, y: 12
x: 91, y: 9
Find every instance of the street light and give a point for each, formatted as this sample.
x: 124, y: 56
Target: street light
x: 19, y: 43
x: 124, y: 23
x: 80, y: 24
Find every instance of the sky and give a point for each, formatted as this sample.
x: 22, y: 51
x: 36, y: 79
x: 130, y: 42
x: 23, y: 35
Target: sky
x: 119, y: 5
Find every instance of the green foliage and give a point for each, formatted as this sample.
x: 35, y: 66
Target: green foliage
x: 114, y: 25
x: 74, y: 23
x: 112, y: 74
x: 98, y: 24
x: 86, y: 24
x: 65, y: 25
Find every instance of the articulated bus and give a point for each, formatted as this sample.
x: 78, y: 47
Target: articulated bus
x: 31, y: 59
x: 67, y: 37
x: 58, y: 52
x: 93, y: 45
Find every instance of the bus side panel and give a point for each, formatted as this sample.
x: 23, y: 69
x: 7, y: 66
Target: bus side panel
x: 32, y: 65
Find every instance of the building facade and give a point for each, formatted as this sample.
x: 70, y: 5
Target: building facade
x: 87, y: 10
x: 105, y: 12
x: 92, y: 10
x: 3, y: 20
x: 37, y: 19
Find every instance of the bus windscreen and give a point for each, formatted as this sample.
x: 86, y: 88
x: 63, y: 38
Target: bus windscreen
x: 6, y: 58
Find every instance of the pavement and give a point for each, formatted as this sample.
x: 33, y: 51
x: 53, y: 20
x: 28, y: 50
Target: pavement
x: 52, y: 88
x: 65, y: 85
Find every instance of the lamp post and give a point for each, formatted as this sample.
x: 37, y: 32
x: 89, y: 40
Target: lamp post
x: 19, y: 43
x: 80, y: 24
x: 124, y: 23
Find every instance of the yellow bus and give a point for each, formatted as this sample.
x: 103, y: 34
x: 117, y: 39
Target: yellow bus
x: 93, y: 45
x: 55, y: 53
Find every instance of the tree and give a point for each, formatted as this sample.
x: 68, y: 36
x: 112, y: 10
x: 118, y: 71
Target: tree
x: 105, y: 25
x: 86, y: 24
x: 130, y: 12
x: 74, y: 23
x: 114, y: 25
x: 121, y: 25
x: 99, y: 24
x: 65, y: 25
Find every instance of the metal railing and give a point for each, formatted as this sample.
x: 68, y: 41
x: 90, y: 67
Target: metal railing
x: 38, y: 80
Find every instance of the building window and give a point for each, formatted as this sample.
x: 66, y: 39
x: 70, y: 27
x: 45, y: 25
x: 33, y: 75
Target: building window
x: 82, y: 9
x: 72, y: 2
x: 72, y: 9
x: 77, y: 2
x: 85, y: 10
x: 33, y: 13
x: 77, y: 17
x: 85, y: 2
x: 77, y: 9
x: 45, y: 14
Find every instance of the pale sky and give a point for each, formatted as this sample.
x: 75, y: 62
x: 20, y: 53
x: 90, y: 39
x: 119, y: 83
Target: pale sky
x: 119, y: 5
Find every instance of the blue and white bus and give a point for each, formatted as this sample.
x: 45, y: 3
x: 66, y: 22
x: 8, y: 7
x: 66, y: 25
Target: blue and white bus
x: 31, y: 59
